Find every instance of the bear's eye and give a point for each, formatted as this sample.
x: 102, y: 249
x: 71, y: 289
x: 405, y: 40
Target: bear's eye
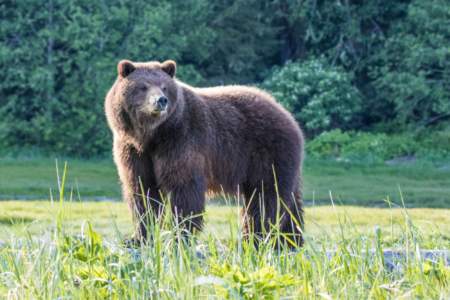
x: 164, y: 88
x: 142, y: 88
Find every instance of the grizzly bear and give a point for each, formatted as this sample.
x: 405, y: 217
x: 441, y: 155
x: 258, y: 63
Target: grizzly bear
x: 174, y: 141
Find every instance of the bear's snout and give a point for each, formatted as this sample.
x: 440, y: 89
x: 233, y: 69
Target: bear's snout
x: 161, y: 103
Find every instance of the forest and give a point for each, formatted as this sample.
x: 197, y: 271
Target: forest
x: 369, y: 69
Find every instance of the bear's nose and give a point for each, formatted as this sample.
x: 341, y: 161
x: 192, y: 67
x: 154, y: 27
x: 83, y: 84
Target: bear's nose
x: 162, y: 102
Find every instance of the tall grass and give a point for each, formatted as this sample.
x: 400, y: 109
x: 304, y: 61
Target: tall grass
x: 63, y: 265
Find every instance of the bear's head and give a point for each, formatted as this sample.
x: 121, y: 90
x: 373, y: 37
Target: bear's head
x: 144, y: 95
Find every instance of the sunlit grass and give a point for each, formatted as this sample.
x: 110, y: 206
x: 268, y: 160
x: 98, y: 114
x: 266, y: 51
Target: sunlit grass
x: 342, y: 256
x: 35, y: 217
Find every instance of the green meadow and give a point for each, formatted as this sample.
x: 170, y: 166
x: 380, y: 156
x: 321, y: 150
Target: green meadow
x: 422, y: 184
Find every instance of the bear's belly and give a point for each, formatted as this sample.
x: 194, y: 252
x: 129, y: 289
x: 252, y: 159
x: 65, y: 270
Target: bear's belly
x: 222, y: 178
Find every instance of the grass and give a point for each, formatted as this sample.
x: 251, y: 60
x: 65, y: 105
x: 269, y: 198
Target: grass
x: 35, y: 177
x: 21, y: 218
x: 74, y: 251
x: 351, y: 184
x: 421, y: 185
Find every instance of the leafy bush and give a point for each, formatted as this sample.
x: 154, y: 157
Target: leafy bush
x: 328, y: 144
x: 264, y: 283
x: 378, y: 147
x: 320, y: 96
x: 435, y: 144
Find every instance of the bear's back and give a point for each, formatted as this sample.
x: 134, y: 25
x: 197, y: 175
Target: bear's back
x: 248, y: 108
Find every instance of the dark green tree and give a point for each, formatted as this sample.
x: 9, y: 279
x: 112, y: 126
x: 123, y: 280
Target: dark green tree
x: 413, y: 72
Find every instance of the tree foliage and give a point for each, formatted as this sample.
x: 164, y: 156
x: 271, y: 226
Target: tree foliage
x: 414, y: 67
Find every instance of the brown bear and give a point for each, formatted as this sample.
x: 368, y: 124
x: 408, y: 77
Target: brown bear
x: 175, y: 140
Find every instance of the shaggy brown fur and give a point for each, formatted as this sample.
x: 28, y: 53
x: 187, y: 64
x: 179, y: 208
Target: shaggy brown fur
x: 232, y: 139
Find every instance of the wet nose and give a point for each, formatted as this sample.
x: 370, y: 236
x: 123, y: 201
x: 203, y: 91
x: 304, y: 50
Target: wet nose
x: 162, y: 102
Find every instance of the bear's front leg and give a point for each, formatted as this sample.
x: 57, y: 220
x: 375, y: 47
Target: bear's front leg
x: 139, y: 187
x: 187, y: 200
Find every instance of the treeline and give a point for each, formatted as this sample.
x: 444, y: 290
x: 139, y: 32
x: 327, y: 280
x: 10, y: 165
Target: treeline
x: 371, y: 65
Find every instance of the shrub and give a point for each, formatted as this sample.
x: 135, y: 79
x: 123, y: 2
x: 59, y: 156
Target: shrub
x: 328, y: 144
x: 320, y: 96
x: 435, y: 144
x: 378, y: 147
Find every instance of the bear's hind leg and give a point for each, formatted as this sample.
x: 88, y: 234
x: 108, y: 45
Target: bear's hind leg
x: 271, y: 211
x: 259, y: 212
x: 292, y: 224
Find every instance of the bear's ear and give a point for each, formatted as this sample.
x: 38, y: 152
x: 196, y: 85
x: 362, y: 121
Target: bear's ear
x: 170, y: 67
x: 125, y: 68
